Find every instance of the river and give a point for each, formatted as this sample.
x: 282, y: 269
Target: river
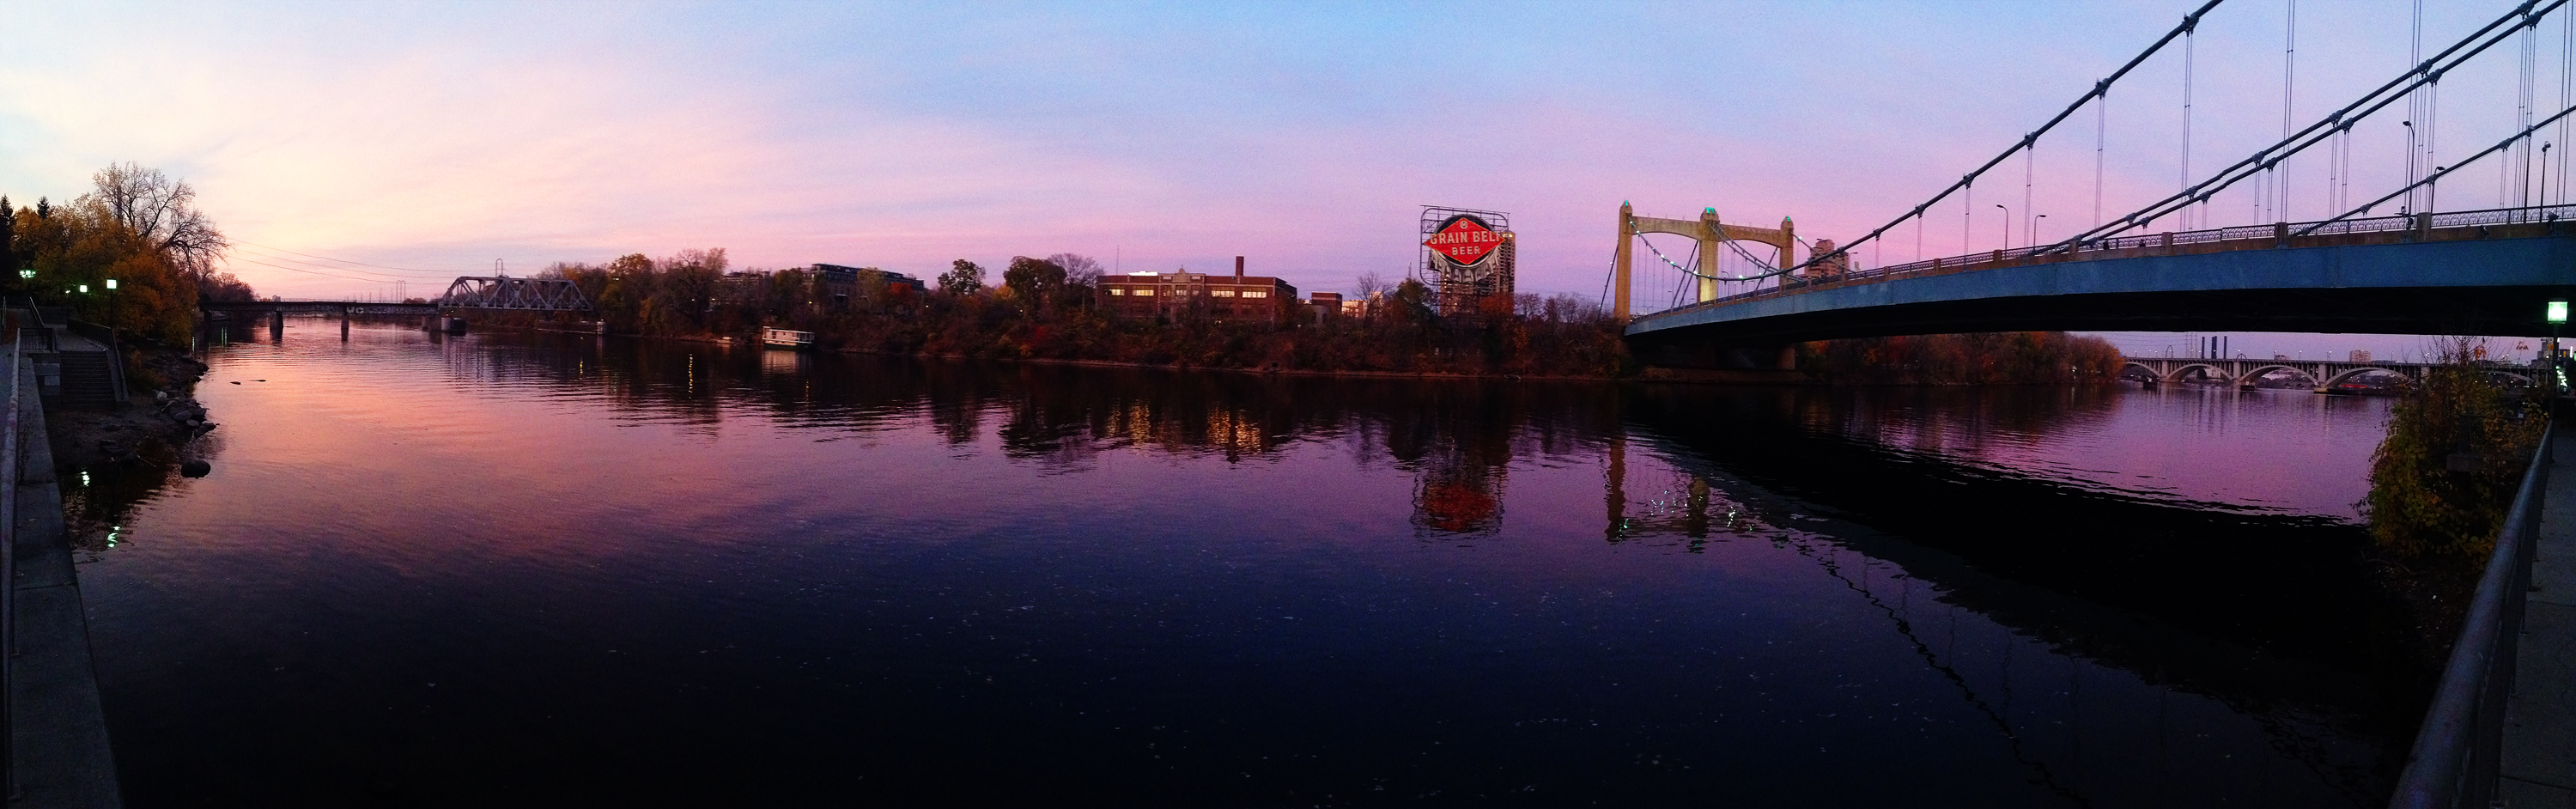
x: 507, y: 569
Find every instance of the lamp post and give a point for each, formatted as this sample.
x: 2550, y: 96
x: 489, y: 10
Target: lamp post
x: 2007, y: 225
x: 111, y: 316
x: 2557, y: 315
x: 2033, y: 235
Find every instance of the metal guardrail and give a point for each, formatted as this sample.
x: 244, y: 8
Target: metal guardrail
x: 2419, y: 223
x: 2455, y: 761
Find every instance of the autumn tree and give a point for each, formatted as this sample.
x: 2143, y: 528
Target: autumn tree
x: 1034, y: 281
x: 163, y: 215
x: 962, y: 278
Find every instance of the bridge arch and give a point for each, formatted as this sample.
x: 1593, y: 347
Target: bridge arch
x: 2180, y: 371
x: 2339, y: 376
x: 2257, y: 372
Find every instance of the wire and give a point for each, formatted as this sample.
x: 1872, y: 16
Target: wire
x: 2425, y: 74
x: 2437, y: 176
x: 343, y: 260
x: 313, y: 272
x: 388, y: 276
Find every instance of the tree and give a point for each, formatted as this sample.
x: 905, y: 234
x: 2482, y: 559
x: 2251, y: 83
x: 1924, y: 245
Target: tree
x: 1033, y: 280
x: 163, y: 214
x: 1081, y: 280
x: 962, y: 278
x: 8, y: 241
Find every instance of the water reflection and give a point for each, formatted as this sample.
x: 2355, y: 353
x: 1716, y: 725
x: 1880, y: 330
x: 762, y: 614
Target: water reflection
x: 1974, y: 593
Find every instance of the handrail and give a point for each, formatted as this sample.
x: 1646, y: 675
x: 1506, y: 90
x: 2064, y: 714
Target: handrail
x: 2456, y: 754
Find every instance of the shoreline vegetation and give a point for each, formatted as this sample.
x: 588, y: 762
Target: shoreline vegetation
x: 1048, y: 310
x: 2441, y: 482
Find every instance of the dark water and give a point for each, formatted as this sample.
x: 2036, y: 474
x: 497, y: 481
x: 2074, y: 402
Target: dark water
x: 510, y: 570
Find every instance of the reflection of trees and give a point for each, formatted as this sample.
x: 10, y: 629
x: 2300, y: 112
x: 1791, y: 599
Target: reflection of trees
x: 1458, y: 438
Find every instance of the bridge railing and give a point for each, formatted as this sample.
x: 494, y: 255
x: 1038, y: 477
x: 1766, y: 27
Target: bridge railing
x: 2018, y: 255
x: 2458, y: 749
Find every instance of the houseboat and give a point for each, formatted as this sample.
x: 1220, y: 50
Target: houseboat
x: 785, y: 338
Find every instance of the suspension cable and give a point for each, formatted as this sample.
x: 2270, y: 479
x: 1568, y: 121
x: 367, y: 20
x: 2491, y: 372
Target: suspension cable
x: 2189, y: 21
x: 2425, y: 74
x: 2437, y: 175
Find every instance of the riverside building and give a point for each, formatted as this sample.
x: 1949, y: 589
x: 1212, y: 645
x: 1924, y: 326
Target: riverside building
x: 1238, y: 298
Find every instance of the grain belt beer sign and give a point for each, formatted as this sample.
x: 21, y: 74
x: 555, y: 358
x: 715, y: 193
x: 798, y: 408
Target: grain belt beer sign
x: 1465, y: 240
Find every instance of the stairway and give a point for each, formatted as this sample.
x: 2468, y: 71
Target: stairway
x: 87, y: 381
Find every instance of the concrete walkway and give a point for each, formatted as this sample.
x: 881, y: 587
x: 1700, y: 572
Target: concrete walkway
x: 2539, y: 766
x: 58, y: 732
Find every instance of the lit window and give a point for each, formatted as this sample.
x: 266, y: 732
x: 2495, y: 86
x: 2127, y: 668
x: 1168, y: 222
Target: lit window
x: 1117, y: 291
x: 1256, y: 293
x: 1225, y: 293
x: 1145, y: 292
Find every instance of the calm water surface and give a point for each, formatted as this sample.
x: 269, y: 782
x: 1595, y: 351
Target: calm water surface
x: 510, y: 570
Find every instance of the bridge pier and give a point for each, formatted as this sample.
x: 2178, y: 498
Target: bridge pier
x: 276, y: 325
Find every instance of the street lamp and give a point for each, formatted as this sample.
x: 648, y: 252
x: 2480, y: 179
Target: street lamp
x: 2033, y: 235
x: 111, y: 315
x: 2557, y: 316
x: 2007, y: 225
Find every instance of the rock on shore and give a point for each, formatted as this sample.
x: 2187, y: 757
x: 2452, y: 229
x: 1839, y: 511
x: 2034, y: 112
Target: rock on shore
x: 153, y: 424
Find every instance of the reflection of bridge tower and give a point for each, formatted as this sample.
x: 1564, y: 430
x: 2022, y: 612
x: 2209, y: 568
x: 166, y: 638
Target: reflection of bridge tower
x: 1685, y: 507
x: 1708, y: 232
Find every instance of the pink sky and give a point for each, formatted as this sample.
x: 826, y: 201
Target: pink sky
x: 439, y: 138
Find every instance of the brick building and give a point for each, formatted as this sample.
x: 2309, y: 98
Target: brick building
x: 1237, y: 298
x: 842, y: 283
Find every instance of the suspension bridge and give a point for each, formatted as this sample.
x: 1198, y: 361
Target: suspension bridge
x: 2392, y: 259
x: 2394, y: 263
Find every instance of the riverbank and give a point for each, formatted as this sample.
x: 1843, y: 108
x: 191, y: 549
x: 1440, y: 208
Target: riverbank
x: 152, y: 425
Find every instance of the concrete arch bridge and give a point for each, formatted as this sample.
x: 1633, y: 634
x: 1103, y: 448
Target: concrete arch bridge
x: 2324, y: 374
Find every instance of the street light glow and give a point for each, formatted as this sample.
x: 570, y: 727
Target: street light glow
x: 2557, y: 311
x: 111, y: 283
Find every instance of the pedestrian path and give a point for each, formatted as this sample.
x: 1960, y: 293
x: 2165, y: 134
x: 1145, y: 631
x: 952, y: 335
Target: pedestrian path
x: 2539, y: 757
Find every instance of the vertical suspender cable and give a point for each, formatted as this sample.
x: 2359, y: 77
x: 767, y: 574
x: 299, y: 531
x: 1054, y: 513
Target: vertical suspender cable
x: 2529, y: 91
x: 2289, y: 83
x: 2185, y: 221
x: 2029, y: 164
x: 2414, y: 113
x: 2432, y: 131
x: 2101, y: 121
x: 2566, y: 87
x: 1967, y: 215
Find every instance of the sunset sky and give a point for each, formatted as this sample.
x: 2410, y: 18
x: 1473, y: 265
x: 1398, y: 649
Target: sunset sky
x: 432, y: 140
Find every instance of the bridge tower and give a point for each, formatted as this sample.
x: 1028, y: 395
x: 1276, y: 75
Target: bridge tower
x: 1707, y: 231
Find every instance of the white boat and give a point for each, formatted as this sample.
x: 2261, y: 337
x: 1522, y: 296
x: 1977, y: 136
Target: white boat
x: 787, y: 338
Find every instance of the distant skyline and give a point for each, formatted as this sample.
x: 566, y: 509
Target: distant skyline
x: 425, y: 141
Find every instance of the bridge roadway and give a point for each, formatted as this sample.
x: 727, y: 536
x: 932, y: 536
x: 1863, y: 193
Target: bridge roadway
x: 2479, y: 272
x: 284, y: 307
